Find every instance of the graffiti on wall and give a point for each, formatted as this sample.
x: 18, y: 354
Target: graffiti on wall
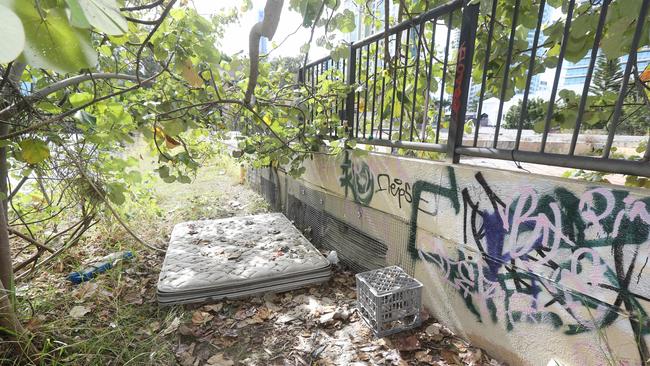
x: 556, y: 257
x: 574, y: 261
x: 358, y: 180
x: 397, y: 188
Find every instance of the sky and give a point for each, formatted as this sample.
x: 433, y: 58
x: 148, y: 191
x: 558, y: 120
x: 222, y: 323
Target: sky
x: 236, y: 37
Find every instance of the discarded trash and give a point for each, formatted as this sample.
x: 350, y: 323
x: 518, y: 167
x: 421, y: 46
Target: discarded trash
x: 333, y: 257
x: 389, y: 300
x: 100, y: 266
x: 238, y: 257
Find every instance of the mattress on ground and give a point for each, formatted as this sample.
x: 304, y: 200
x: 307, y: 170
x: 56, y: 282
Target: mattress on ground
x: 237, y: 256
x: 206, y: 296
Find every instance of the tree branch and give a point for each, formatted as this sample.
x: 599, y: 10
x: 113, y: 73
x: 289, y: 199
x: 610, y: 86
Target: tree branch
x: 159, y: 21
x: 59, y: 117
x: 266, y: 28
x: 59, y: 85
x: 141, y: 21
x: 143, y: 7
x: 30, y: 240
x: 110, y: 207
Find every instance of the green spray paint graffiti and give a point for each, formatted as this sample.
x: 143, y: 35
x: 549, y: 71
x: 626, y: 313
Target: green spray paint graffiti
x: 572, y: 261
x: 357, y: 179
x: 556, y: 258
x: 420, y: 187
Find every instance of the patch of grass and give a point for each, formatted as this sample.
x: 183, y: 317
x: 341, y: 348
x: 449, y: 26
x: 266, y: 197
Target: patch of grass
x: 124, y: 324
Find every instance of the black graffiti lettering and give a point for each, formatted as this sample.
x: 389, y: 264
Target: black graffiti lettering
x: 395, y: 187
x: 379, y: 177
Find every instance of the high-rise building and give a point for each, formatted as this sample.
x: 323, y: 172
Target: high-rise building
x: 575, y: 74
x: 264, y: 42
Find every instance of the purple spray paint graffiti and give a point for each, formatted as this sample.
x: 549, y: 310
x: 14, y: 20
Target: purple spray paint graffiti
x: 534, y: 250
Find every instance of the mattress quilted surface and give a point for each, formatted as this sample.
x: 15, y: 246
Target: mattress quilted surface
x: 234, y: 252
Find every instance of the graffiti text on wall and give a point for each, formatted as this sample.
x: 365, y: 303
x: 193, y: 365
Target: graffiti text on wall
x: 358, y: 180
x: 575, y: 261
x: 555, y: 257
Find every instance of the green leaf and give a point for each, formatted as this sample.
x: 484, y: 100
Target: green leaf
x: 346, y: 21
x: 51, y: 42
x: 49, y: 107
x: 104, y: 15
x: 184, y: 179
x: 174, y: 127
x: 133, y: 176
x: 34, y: 151
x: 85, y: 118
x: 615, y: 42
x: 116, y: 193
x: 539, y: 126
x: 163, y: 171
x: 77, y: 17
x: 341, y: 52
x: 169, y: 179
x: 12, y: 41
x: 79, y: 99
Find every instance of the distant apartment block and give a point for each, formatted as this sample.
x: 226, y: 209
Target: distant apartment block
x: 575, y: 74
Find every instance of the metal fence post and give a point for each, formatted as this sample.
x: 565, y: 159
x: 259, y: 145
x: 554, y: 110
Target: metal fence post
x: 349, y: 102
x: 462, y: 80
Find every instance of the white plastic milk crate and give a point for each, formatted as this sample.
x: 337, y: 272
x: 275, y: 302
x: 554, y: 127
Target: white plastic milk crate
x: 389, y: 300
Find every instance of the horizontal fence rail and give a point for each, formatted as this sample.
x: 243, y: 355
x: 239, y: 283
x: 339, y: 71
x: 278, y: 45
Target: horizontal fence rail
x: 446, y: 80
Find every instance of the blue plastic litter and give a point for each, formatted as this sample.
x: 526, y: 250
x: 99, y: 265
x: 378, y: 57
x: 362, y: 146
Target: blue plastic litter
x: 98, y: 267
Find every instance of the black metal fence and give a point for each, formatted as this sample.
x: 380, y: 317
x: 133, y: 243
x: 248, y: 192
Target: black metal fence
x: 413, y: 85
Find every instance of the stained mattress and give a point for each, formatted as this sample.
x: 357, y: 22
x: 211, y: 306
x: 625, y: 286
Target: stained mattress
x: 237, y: 257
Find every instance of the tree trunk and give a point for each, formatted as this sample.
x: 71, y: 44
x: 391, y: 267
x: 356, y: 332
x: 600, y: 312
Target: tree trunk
x: 8, y: 319
x: 6, y: 268
x: 10, y: 327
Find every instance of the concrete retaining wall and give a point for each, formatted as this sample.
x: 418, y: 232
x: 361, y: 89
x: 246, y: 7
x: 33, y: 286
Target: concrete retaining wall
x: 530, y: 268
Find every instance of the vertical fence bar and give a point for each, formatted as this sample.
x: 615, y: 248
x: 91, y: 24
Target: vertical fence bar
x: 342, y: 112
x: 333, y: 67
x: 349, y: 102
x: 531, y: 71
x: 312, y: 91
x: 341, y: 102
x: 358, y: 95
x: 631, y: 59
x: 558, y: 71
x: 506, y: 71
x: 462, y: 80
x: 592, y: 65
x: 406, y: 65
x: 332, y: 132
x: 419, y: 30
x: 442, y: 81
x: 365, y: 97
x: 301, y: 81
x: 383, y: 90
x: 427, y: 100
x: 374, y: 92
x: 398, y: 36
x: 488, y: 49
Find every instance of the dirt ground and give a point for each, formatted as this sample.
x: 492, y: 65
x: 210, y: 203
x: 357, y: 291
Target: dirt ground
x: 115, y: 319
